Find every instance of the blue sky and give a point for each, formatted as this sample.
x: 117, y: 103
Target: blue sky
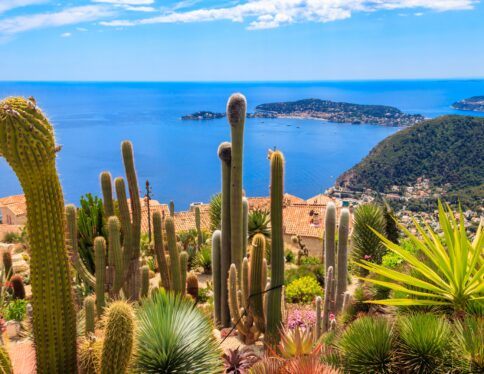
x: 246, y: 40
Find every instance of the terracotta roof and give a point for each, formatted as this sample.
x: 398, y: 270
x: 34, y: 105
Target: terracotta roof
x: 19, y: 209
x: 15, y: 199
x: 259, y: 203
x: 322, y: 199
x: 186, y: 220
x: 162, y: 208
x: 291, y: 199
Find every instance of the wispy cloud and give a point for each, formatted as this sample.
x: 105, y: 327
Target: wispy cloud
x: 125, y: 2
x: 66, y: 34
x: 6, y: 5
x: 144, y: 9
x: 263, y: 14
x: 68, y: 16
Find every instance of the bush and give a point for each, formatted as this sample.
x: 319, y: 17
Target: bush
x: 310, y: 260
x: 315, y: 271
x: 175, y: 337
x: 424, y: 345
x: 303, y: 290
x: 203, y: 259
x: 12, y: 237
x: 367, y: 346
x: 16, y: 310
x: 290, y: 256
x: 469, y: 343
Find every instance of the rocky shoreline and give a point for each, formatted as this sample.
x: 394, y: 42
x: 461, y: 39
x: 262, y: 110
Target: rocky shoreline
x: 472, y: 104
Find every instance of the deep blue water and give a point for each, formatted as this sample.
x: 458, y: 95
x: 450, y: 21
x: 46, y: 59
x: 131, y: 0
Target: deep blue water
x: 180, y: 157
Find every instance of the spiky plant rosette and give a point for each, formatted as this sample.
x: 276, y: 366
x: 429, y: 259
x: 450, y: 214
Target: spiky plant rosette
x: 367, y: 346
x: 469, y: 343
x: 175, y: 337
x: 239, y: 361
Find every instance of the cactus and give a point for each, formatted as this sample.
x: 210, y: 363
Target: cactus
x: 328, y: 298
x: 199, y: 230
x: 346, y: 301
x: 5, y: 363
x: 225, y: 155
x: 115, y: 257
x: 172, y: 208
x: 236, y: 113
x: 100, y: 260
x: 89, y: 315
x: 160, y: 251
x: 7, y: 263
x: 183, y: 274
x: 342, y: 273
x: 216, y: 276
x: 18, y: 287
x: 317, y: 328
x: 175, y: 273
x: 107, y: 192
x: 27, y: 143
x: 118, y: 338
x: 90, y: 355
x: 329, y: 236
x: 274, y: 316
x: 245, y: 225
x: 192, y: 285
x: 145, y: 280
x: 257, y: 281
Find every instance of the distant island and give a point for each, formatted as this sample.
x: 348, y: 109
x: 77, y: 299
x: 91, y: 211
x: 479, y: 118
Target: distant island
x: 473, y: 104
x: 325, y: 110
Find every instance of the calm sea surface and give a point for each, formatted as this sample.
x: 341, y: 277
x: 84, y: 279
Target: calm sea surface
x: 180, y: 157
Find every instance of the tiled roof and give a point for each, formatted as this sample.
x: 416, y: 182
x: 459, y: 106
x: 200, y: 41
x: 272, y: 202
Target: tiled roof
x: 17, y: 204
x: 322, y: 199
x: 162, y: 208
x: 186, y: 220
x: 19, y: 209
x: 15, y: 199
x: 259, y: 203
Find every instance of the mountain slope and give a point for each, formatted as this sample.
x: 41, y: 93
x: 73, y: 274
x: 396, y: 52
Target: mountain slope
x: 448, y: 149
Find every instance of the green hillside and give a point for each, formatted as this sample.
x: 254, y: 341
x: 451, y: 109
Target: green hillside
x: 448, y: 149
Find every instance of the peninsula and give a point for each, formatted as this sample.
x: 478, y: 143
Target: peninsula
x: 473, y: 104
x: 332, y: 111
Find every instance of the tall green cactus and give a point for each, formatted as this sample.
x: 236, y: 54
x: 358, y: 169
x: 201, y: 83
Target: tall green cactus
x: 225, y: 155
x: 329, y: 256
x: 183, y: 274
x: 342, y: 273
x: 172, y: 208
x: 245, y: 225
x: 328, y: 297
x: 236, y: 113
x: 145, y: 280
x: 175, y: 269
x: 89, y: 315
x: 100, y: 260
x: 160, y: 251
x: 317, y: 328
x: 199, y: 229
x: 118, y: 338
x: 115, y: 257
x: 257, y: 282
x: 27, y: 143
x: 7, y: 263
x: 274, y: 315
x: 216, y: 275
x: 107, y: 192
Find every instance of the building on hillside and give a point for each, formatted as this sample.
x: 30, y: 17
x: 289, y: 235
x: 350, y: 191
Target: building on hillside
x: 13, y: 210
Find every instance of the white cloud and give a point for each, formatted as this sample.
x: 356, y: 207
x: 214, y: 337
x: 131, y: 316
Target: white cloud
x: 263, y: 14
x: 6, y: 5
x: 139, y: 8
x: 66, y: 34
x: 125, y: 2
x: 68, y: 16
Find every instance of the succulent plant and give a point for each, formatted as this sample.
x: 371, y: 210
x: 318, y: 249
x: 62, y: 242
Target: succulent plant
x: 239, y: 361
x: 18, y: 288
x: 192, y: 285
x: 89, y: 314
x: 7, y: 263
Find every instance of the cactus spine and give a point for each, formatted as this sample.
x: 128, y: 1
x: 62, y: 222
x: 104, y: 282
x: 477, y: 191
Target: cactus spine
x: 7, y: 263
x: 274, y: 315
x: 342, y: 274
x: 160, y: 251
x: 236, y: 113
x: 225, y: 155
x: 118, y: 338
x: 329, y: 236
x: 27, y: 143
x: 317, y: 328
x: 5, y: 363
x: 89, y: 315
x: 216, y: 275
x: 145, y: 280
x: 192, y: 285
x: 18, y: 287
x: 328, y: 298
x: 199, y: 229
x: 245, y: 225
x: 100, y: 260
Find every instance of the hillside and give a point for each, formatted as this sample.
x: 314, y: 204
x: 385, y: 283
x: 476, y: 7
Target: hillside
x: 447, y: 149
x: 475, y: 104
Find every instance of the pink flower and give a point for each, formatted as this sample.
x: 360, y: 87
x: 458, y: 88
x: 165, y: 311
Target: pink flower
x: 332, y: 317
x: 367, y: 257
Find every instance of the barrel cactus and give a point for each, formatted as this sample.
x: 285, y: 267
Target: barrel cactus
x: 18, y: 287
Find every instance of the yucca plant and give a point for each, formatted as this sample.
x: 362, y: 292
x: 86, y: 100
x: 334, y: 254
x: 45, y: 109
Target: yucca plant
x: 424, y: 344
x: 367, y: 346
x: 215, y: 211
x: 469, y: 343
x: 175, y: 337
x: 452, y: 273
x: 365, y: 244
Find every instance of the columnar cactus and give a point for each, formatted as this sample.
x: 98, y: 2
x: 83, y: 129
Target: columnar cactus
x: 27, y: 143
x: 115, y: 257
x: 192, y: 285
x: 225, y: 155
x: 107, y: 192
x: 145, y: 280
x: 317, y: 328
x: 118, y: 338
x: 236, y: 113
x: 175, y: 268
x: 160, y: 251
x: 183, y: 268
x: 245, y: 225
x: 328, y: 298
x: 89, y: 315
x: 7, y: 263
x: 330, y: 236
x: 172, y: 208
x: 274, y: 315
x: 346, y: 301
x: 217, y: 275
x: 257, y: 281
x: 199, y: 229
x: 18, y: 287
x: 100, y: 261
x: 342, y: 273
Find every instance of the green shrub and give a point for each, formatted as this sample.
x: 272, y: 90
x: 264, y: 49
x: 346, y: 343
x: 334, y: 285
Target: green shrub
x: 290, y: 256
x: 16, y: 310
x: 12, y: 237
x: 303, y: 290
x: 175, y: 337
x: 367, y: 346
x: 315, y: 271
x: 310, y: 260
x: 203, y: 295
x: 424, y: 344
x: 469, y: 344
x: 203, y: 259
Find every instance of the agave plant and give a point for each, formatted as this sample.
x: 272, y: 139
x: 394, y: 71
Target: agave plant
x: 259, y: 222
x: 367, y: 346
x: 296, y: 342
x: 469, y: 339
x: 215, y: 211
x: 425, y: 342
x: 452, y: 274
x: 175, y: 337
x: 239, y: 361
